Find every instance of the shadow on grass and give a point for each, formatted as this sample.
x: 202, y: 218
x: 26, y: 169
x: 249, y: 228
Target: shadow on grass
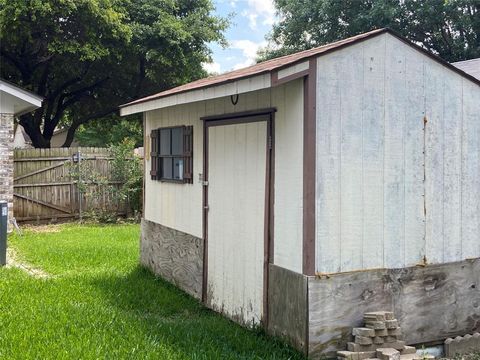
x: 177, y: 320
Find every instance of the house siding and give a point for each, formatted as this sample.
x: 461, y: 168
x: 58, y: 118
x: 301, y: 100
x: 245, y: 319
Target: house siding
x: 6, y: 161
x: 397, y: 159
x: 179, y: 206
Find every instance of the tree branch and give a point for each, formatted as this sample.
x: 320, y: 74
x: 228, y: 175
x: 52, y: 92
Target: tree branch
x: 73, y: 128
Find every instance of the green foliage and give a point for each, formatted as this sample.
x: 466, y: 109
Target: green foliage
x: 86, y: 57
x: 99, y: 304
x: 127, y: 169
x: 449, y: 28
x: 110, y: 131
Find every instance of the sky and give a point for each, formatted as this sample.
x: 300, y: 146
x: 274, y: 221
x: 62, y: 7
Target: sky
x: 251, y: 21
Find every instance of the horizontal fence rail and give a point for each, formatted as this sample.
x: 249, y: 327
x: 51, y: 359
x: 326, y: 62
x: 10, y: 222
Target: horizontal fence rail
x: 48, y: 184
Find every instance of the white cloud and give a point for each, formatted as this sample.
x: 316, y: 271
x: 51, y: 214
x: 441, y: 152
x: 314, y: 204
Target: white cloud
x: 212, y: 68
x: 249, y: 51
x: 259, y: 9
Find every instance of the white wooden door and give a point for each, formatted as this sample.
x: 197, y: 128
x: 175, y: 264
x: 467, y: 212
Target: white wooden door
x: 236, y: 199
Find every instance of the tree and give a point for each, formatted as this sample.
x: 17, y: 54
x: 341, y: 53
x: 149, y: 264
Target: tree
x: 110, y: 130
x: 449, y: 28
x: 86, y: 57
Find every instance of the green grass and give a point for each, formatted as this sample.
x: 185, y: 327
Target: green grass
x: 100, y: 304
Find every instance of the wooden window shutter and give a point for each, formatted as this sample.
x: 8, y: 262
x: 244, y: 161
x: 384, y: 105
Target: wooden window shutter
x: 154, y: 136
x: 188, y: 154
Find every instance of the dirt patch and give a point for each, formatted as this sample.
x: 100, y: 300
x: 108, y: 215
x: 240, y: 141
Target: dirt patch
x: 13, y: 262
x: 42, y: 228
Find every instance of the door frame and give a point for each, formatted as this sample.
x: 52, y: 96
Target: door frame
x: 242, y: 118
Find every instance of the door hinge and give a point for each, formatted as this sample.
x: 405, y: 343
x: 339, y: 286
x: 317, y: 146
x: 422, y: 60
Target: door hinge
x: 205, y: 183
x: 270, y: 142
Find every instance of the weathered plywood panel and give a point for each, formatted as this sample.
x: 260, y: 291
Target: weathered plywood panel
x: 328, y: 192
x: 431, y: 303
x: 414, y: 158
x: 373, y: 152
x: 287, y: 306
x: 470, y: 170
x: 397, y: 154
x: 237, y: 171
x: 434, y: 161
x: 288, y: 202
x: 175, y: 256
x: 394, y: 156
x: 452, y: 168
x: 351, y: 160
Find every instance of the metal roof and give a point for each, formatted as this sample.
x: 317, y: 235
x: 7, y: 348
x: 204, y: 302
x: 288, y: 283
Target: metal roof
x: 283, y: 61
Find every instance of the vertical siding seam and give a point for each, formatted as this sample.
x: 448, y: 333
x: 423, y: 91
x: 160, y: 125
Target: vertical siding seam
x: 385, y: 265
x: 461, y: 176
x: 363, y: 155
x: 443, y: 170
x: 424, y: 164
x: 404, y: 163
x: 340, y: 180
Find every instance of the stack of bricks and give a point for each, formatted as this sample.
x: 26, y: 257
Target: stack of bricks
x: 380, y: 338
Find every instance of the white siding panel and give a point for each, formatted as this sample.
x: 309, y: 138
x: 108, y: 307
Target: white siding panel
x: 394, y: 156
x: 414, y: 158
x: 351, y: 160
x: 237, y: 163
x: 288, y: 202
x: 471, y: 171
x: 373, y: 145
x: 179, y: 206
x: 419, y: 187
x: 452, y: 162
x: 434, y: 166
x: 329, y: 125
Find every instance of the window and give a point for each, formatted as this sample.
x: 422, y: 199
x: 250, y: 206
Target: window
x: 171, y: 155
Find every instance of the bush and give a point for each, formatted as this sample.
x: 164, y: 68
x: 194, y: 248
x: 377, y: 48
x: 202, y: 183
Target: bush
x: 127, y: 169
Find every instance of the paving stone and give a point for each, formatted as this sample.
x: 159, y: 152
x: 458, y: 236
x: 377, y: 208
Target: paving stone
x: 391, y: 324
x: 388, y: 354
x: 389, y: 315
x: 390, y: 338
x: 363, y: 332
x: 351, y: 355
x: 381, y: 332
x: 363, y: 340
x: 407, y: 350
x: 375, y: 316
x: 398, y: 345
x: 351, y: 346
x: 377, y: 325
x: 378, y: 340
x: 346, y: 355
x: 396, y: 331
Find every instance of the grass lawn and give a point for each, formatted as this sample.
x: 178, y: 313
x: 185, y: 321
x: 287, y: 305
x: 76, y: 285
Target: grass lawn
x: 98, y: 303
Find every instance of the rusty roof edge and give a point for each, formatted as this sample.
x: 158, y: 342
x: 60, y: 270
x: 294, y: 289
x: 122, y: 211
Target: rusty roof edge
x: 311, y: 53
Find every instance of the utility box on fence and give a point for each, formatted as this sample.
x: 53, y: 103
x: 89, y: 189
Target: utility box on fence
x: 3, y: 232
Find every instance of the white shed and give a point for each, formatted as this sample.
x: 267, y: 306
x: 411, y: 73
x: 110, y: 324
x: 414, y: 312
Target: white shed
x: 303, y: 191
x: 14, y: 101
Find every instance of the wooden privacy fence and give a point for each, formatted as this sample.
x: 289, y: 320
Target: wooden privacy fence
x: 46, y: 183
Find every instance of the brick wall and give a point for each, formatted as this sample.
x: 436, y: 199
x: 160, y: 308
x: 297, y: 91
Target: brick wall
x: 6, y: 161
